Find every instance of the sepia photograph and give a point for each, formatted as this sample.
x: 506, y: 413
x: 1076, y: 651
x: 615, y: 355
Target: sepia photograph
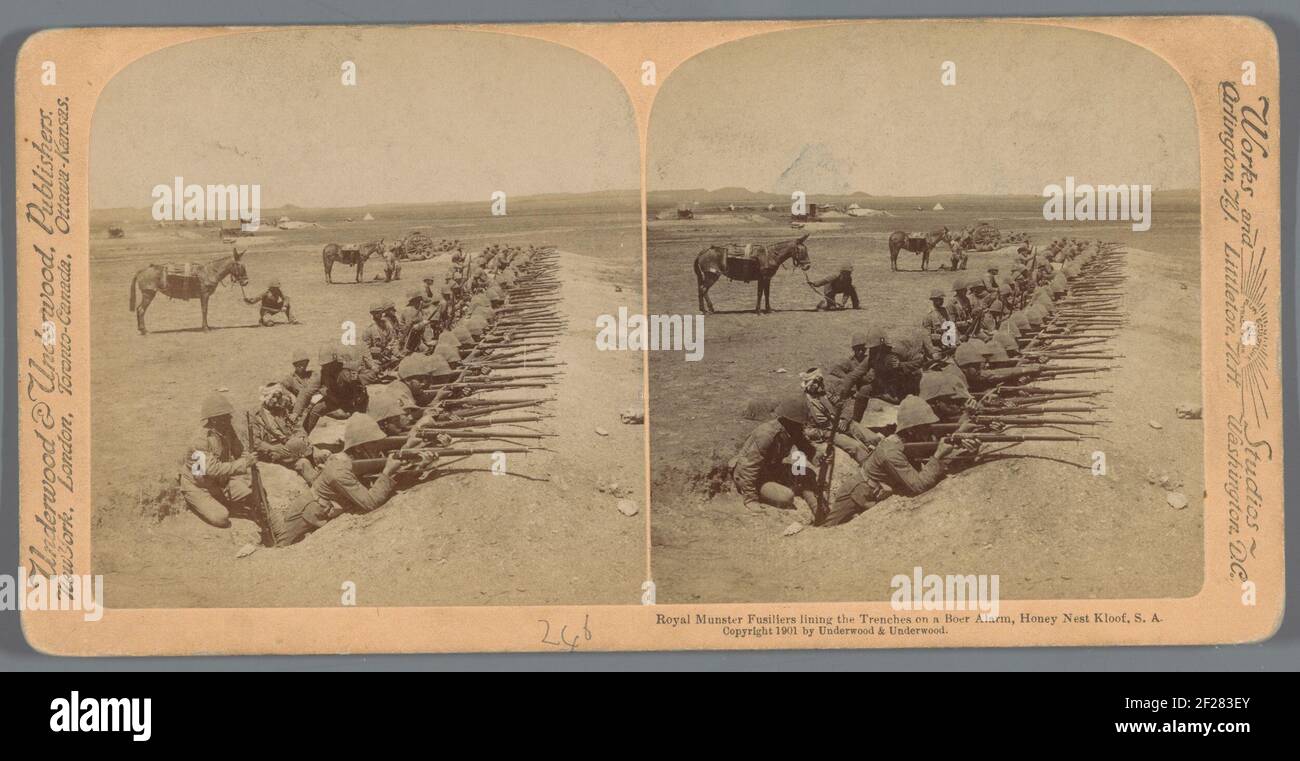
x: 950, y: 275
x: 343, y: 309
x: 619, y: 336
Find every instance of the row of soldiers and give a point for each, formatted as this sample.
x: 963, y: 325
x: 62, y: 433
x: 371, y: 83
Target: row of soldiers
x: 428, y: 358
x: 984, y: 337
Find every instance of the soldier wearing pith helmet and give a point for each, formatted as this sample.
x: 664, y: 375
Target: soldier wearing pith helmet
x: 340, y: 488
x: 889, y: 470
x: 214, y: 474
x: 776, y: 461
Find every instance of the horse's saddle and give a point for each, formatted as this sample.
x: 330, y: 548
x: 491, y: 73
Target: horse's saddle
x: 921, y: 238
x: 182, y: 281
x: 742, y: 261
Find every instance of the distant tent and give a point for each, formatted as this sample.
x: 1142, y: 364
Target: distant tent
x: 368, y: 217
x: 853, y: 206
x: 938, y: 207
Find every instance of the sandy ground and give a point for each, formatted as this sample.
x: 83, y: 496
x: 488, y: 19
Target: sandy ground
x: 1035, y: 515
x: 543, y: 533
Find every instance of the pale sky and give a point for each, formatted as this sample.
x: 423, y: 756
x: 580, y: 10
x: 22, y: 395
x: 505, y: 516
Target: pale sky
x: 436, y: 115
x: 861, y: 108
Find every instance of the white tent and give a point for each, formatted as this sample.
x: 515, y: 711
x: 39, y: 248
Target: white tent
x: 938, y: 207
x: 368, y: 217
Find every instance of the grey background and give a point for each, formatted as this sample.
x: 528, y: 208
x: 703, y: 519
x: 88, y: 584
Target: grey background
x: 18, y: 20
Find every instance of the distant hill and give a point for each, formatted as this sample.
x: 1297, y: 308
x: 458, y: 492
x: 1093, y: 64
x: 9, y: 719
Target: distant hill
x: 608, y: 200
x: 667, y: 199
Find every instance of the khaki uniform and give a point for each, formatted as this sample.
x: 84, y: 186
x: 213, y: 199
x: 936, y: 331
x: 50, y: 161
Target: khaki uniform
x: 281, y: 442
x: 886, y: 470
x: 934, y: 324
x: 833, y: 286
x: 341, y: 391
x: 294, y: 383
x: 335, y: 491
x: 222, y: 483
x: 758, y: 471
x: 392, y: 266
x: 851, y: 437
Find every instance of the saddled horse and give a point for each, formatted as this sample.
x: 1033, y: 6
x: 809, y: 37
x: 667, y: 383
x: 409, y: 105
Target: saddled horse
x: 714, y: 262
x: 193, y: 281
x: 350, y: 256
x: 900, y: 240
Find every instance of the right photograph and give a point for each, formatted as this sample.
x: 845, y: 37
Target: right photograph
x: 950, y: 282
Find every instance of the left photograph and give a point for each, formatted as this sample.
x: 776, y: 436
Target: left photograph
x: 345, y: 289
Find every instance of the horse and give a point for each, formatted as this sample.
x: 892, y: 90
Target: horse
x: 198, y: 281
x: 333, y: 252
x: 713, y: 262
x: 900, y: 240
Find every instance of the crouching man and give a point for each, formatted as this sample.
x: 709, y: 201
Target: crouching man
x: 278, y: 440
x: 214, y: 478
x: 766, y: 471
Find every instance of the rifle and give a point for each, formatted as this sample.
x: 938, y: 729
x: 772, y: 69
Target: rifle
x: 366, y: 467
x: 827, y: 469
x: 255, y: 482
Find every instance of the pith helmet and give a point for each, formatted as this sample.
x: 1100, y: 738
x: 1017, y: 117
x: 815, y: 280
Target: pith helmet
x: 959, y: 284
x: 970, y: 353
x: 215, y: 405
x: 437, y: 367
x: 413, y: 365
x: 859, y: 339
x: 935, y: 385
x: 328, y: 353
x: 414, y: 295
x: 376, y: 307
x: 350, y: 356
x: 388, y: 304
x: 360, y: 429
x: 793, y: 409
x: 846, y: 268
x: 1006, y: 341
x: 914, y: 412
x: 275, y: 283
x: 384, y: 406
x: 300, y: 355
x: 937, y: 293
x: 448, y: 351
